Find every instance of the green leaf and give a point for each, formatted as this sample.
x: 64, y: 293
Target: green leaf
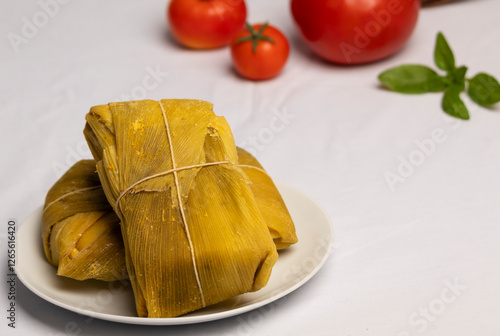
x: 443, y: 56
x: 453, y: 105
x: 457, y: 77
x: 484, y: 89
x: 412, y: 79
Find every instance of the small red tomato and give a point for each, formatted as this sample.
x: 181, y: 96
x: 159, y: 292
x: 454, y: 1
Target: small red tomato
x: 206, y: 24
x: 259, y: 51
x: 355, y: 31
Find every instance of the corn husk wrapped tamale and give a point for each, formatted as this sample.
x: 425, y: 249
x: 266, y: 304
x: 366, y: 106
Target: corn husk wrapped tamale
x: 80, y: 231
x: 192, y: 231
x: 269, y: 201
x: 267, y: 196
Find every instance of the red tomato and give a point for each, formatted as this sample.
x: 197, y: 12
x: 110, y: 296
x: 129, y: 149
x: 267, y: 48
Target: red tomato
x: 206, y: 24
x: 259, y: 51
x: 355, y: 31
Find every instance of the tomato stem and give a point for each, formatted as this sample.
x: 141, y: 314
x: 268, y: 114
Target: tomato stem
x: 255, y: 36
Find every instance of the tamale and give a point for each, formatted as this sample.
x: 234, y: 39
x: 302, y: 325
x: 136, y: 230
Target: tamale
x: 80, y: 231
x: 267, y: 196
x: 191, y: 227
x: 269, y: 201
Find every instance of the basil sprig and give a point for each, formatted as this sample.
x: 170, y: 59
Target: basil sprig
x: 483, y: 89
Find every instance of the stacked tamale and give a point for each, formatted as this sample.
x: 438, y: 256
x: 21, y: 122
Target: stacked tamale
x: 80, y: 231
x: 197, y: 226
x: 269, y: 201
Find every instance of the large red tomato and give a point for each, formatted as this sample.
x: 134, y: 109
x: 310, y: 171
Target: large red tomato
x: 355, y: 31
x: 205, y: 24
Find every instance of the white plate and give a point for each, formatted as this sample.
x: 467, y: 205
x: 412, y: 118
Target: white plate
x: 114, y: 301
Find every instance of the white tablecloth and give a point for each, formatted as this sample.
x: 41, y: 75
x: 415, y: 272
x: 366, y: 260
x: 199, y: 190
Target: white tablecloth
x: 416, y: 256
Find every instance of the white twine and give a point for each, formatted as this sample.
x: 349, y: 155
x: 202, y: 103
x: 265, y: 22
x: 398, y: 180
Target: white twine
x: 69, y: 194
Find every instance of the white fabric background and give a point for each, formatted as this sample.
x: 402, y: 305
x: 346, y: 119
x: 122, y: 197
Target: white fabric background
x: 394, y: 249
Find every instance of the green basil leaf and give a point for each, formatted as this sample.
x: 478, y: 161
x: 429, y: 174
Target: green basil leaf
x: 436, y: 84
x: 443, y: 56
x: 457, y: 77
x: 484, y: 89
x: 453, y: 105
x: 413, y: 79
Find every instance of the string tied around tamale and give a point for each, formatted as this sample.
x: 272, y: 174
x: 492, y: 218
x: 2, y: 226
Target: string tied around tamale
x: 181, y: 207
x: 129, y: 189
x: 71, y: 193
x: 173, y: 171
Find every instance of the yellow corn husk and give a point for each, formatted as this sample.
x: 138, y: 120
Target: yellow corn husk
x: 194, y: 236
x: 80, y: 231
x: 269, y: 201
